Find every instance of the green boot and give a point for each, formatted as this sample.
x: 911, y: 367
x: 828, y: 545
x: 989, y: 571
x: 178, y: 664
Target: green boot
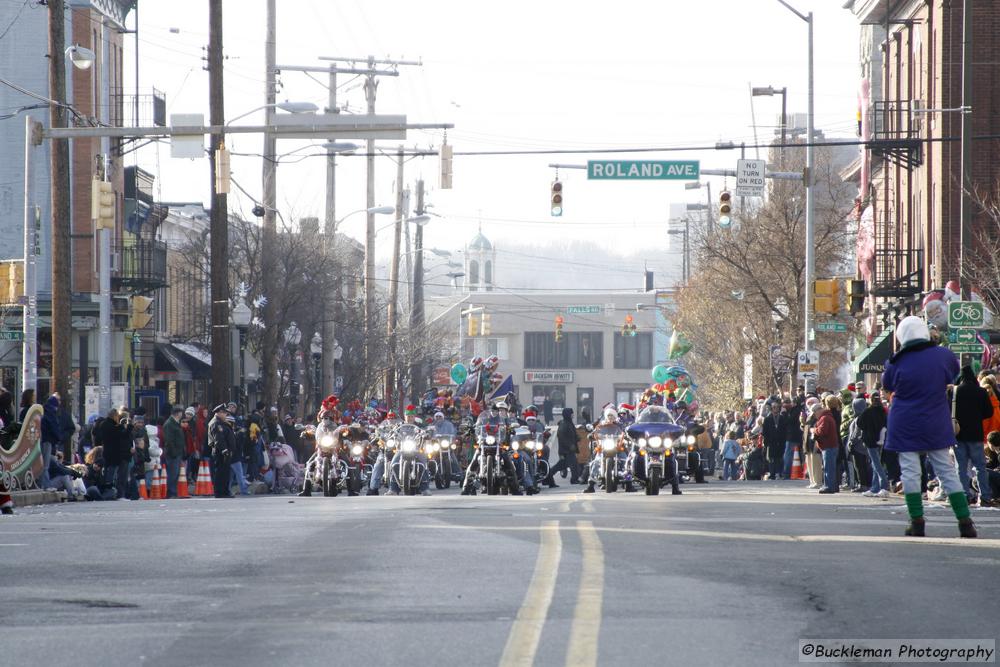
x: 915, y: 507
x: 960, y: 505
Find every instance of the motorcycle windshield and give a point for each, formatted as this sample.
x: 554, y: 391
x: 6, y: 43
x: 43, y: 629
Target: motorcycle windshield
x: 409, y: 432
x: 655, y: 420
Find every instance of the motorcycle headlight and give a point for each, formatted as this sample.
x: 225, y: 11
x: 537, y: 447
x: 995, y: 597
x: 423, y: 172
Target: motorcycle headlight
x: 642, y: 442
x: 655, y: 441
x: 490, y: 440
x: 690, y: 439
x: 357, y: 450
x: 390, y: 442
x: 540, y: 446
x: 327, y: 441
x: 409, y: 446
x: 608, y: 443
x: 669, y: 442
x: 446, y: 445
x: 433, y: 447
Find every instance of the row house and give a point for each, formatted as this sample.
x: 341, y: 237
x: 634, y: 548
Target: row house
x: 909, y: 168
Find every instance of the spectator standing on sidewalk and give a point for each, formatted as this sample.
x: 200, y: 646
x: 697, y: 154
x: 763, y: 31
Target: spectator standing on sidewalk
x: 774, y: 429
x: 917, y: 377
x: 174, y: 446
x: 972, y: 408
x: 731, y: 451
x: 827, y: 439
x: 872, y: 425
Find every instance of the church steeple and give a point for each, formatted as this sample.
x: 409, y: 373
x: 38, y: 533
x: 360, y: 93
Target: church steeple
x: 480, y: 263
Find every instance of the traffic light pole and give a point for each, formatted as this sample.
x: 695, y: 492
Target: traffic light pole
x: 29, y: 345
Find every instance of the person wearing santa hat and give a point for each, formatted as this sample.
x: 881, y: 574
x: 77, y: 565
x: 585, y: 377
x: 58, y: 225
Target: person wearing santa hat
x: 918, y: 377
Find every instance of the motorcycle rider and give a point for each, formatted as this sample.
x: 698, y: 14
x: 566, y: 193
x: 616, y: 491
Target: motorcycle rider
x: 327, y: 427
x: 445, y: 429
x: 385, y: 430
x: 409, y: 417
x: 608, y: 427
x: 493, y: 422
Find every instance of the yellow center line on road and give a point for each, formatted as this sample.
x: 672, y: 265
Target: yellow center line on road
x: 979, y: 543
x: 586, y: 628
x: 522, y: 642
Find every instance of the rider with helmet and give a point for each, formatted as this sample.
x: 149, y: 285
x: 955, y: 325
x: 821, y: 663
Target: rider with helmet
x: 495, y: 422
x: 608, y: 427
x: 328, y: 426
x: 385, y: 430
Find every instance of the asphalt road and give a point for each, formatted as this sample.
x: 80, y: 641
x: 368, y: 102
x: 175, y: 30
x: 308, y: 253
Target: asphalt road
x: 728, y: 573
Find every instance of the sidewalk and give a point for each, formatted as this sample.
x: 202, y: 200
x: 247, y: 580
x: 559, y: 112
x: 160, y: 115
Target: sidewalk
x: 37, y: 497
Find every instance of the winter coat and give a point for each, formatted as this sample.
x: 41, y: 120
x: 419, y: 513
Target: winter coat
x: 826, y: 430
x: 774, y: 430
x: 992, y: 423
x: 972, y: 406
x: 221, y: 438
x: 920, y: 415
x: 793, y: 425
x: 731, y: 450
x: 871, y: 422
x: 51, y: 428
x: 117, y: 442
x: 153, y: 447
x: 566, y: 435
x: 174, y: 443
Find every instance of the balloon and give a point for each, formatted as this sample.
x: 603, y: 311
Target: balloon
x: 671, y: 385
x: 459, y: 373
x: 660, y: 374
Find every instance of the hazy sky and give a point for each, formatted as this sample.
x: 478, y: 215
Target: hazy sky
x: 510, y: 76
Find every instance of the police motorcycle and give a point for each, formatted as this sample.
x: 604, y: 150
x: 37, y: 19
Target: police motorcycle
x: 658, y: 444
x: 410, y: 469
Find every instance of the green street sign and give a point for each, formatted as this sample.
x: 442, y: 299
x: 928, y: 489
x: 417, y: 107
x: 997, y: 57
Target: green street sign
x: 962, y: 337
x: 835, y: 327
x: 975, y: 348
x: 11, y: 335
x: 643, y: 170
x: 966, y: 314
x: 583, y: 310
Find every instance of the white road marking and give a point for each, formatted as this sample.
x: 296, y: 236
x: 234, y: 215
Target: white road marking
x: 586, y: 628
x: 522, y: 642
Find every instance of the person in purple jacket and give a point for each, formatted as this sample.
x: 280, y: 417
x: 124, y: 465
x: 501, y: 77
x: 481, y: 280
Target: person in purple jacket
x: 918, y: 377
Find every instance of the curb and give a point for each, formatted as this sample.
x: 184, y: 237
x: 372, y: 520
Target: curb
x: 36, y: 497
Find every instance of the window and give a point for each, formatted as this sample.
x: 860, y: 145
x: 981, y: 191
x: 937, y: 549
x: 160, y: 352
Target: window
x: 634, y: 351
x: 488, y: 347
x: 473, y: 272
x: 577, y: 350
x: 488, y: 273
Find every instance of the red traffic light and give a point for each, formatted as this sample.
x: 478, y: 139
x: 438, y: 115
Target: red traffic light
x: 559, y: 320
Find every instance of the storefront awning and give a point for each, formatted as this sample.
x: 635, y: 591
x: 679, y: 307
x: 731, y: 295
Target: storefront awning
x: 195, y: 358
x: 872, y: 359
x: 168, y: 360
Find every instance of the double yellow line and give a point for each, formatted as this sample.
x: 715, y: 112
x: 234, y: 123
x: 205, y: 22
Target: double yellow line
x: 525, y: 633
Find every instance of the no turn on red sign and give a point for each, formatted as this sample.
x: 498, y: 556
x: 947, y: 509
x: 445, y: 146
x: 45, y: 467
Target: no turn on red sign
x: 750, y: 178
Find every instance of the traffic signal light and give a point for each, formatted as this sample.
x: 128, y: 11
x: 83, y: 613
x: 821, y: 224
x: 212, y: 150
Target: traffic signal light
x: 473, y: 326
x: 725, y: 209
x: 855, y: 296
x: 629, y: 329
x: 140, y: 312
x: 557, y: 199
x: 559, y: 328
x: 826, y: 296
x: 102, y: 204
x: 484, y: 329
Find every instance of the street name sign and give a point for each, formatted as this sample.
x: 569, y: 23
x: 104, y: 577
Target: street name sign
x: 11, y: 335
x: 974, y: 348
x: 750, y: 178
x: 836, y: 327
x: 584, y: 310
x: 643, y: 170
x: 966, y: 314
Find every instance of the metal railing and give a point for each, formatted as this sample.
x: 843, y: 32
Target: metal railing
x: 141, y: 265
x: 894, y: 120
x: 898, y: 273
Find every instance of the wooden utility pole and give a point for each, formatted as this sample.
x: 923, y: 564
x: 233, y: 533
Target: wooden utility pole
x: 62, y: 304
x: 417, y: 370
x: 222, y: 376
x: 391, y: 311
x: 269, y: 189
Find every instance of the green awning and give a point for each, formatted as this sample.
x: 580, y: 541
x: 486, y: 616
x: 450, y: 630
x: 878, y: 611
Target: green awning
x: 872, y: 359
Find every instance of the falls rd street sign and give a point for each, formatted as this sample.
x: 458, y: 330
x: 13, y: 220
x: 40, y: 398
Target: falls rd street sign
x: 643, y: 170
x: 750, y: 178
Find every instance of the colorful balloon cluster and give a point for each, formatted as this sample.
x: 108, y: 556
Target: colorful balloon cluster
x: 668, y: 381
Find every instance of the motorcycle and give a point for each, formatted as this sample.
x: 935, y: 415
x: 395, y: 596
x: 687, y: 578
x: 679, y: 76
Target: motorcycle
x: 613, y: 468
x: 353, y: 465
x: 410, y: 469
x: 657, y: 444
x: 491, y: 476
x: 439, y: 457
x: 324, y: 472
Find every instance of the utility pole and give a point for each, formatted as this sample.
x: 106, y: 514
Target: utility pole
x: 270, y: 198
x: 965, y: 200
x: 417, y: 310
x: 62, y: 304
x: 390, y: 372
x: 29, y: 345
x: 371, y: 88
x: 328, y: 372
x: 221, y: 362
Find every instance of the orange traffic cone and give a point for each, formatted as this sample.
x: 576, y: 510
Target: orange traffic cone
x: 796, y: 465
x: 155, y: 495
x: 143, y: 493
x: 203, y: 487
x: 182, y: 483
x: 163, y: 482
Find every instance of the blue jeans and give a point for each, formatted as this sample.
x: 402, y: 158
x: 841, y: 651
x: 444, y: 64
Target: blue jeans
x: 830, y: 479
x: 241, y: 479
x: 44, y: 482
x: 788, y: 458
x: 377, y: 471
x: 880, y: 478
x: 173, y: 474
x: 972, y: 452
x: 730, y: 470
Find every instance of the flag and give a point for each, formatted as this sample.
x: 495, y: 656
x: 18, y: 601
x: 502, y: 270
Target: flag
x: 506, y: 387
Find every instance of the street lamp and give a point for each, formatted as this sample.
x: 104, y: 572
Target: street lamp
x: 240, y: 318
x: 770, y: 91
x: 290, y: 107
x: 810, y: 203
x: 316, y: 348
x: 292, y: 337
x: 80, y: 56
